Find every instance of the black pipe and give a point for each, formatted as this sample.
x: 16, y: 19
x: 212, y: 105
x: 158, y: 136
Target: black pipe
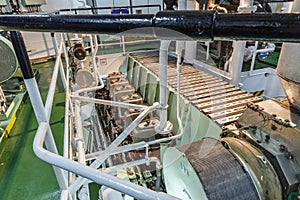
x: 256, y: 26
x: 186, y: 25
x: 21, y: 53
x: 130, y: 3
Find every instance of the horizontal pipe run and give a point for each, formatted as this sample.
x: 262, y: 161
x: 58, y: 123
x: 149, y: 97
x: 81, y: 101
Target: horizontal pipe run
x: 120, y: 149
x: 181, y: 25
x: 132, y: 164
x: 109, y: 103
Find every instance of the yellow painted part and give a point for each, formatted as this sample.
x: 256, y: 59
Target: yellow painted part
x: 10, y: 125
x: 12, y: 120
x: 258, y: 93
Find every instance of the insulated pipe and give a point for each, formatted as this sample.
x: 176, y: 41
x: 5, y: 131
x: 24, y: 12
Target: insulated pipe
x: 198, y: 25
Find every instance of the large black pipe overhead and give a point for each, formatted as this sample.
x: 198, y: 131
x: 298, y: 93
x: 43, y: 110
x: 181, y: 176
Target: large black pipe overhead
x: 196, y: 25
x: 21, y: 53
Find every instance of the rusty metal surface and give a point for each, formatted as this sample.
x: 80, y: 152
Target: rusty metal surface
x: 219, y: 100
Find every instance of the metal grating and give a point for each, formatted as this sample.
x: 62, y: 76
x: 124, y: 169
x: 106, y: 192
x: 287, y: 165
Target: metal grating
x: 220, y: 173
x: 221, y: 101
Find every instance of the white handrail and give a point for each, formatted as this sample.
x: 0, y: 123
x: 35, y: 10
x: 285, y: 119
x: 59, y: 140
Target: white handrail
x: 95, y: 175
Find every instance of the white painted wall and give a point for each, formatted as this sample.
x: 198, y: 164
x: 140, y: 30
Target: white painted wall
x: 126, y: 3
x: 40, y: 44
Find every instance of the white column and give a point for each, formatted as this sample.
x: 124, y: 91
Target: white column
x: 190, y: 46
x: 237, y: 57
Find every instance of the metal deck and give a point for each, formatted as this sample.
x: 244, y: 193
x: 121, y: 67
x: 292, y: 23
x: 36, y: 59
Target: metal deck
x: 221, y: 101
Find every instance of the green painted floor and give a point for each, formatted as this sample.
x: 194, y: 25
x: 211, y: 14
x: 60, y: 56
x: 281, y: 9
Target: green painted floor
x: 22, y: 174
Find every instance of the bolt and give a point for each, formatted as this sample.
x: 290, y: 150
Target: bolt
x: 289, y: 156
x: 267, y: 138
x: 282, y: 148
x: 273, y: 127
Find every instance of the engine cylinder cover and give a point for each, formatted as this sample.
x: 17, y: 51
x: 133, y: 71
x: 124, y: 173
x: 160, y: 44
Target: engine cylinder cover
x: 206, y: 170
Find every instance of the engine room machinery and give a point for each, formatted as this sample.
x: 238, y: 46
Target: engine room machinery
x: 125, y: 137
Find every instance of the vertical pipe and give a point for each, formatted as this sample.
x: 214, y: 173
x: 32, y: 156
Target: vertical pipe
x: 67, y: 103
x: 253, y: 58
x: 36, y: 100
x: 207, y: 49
x: 236, y: 63
x: 51, y: 90
x: 123, y: 45
x: 163, y: 60
x: 58, y: 54
x: 130, y: 3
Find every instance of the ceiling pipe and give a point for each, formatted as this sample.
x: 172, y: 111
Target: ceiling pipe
x: 190, y: 25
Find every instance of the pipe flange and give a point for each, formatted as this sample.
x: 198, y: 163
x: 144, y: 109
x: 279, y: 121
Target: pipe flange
x: 166, y: 129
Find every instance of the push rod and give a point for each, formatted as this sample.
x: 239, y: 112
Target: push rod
x: 177, y: 25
